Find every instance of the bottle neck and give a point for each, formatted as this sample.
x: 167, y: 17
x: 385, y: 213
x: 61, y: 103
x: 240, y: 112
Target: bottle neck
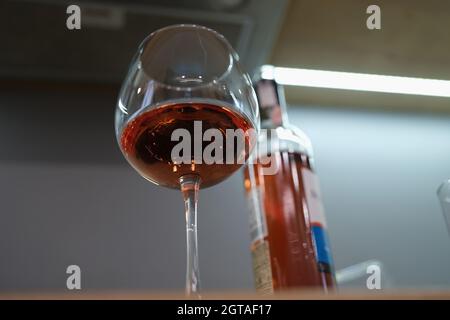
x: 272, y: 104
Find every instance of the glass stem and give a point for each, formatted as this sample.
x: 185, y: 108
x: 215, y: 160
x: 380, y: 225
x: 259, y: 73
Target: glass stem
x: 190, y: 184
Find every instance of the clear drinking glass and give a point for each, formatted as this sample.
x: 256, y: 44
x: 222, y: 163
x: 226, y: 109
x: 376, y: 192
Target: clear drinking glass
x: 184, y: 93
x: 444, y: 198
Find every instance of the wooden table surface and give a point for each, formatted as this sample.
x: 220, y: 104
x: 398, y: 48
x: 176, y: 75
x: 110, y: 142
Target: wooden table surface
x: 230, y: 295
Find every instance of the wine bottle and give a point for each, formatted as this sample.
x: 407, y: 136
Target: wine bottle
x: 288, y: 229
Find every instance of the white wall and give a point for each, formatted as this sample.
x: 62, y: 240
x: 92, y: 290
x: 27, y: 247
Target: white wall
x: 122, y: 231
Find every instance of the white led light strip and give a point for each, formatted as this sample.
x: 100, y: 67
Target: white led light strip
x: 357, y: 81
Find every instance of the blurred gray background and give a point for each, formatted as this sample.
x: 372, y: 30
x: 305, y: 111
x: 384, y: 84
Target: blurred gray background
x: 68, y: 197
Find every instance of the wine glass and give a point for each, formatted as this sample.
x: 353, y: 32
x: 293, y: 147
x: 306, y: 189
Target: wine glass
x: 184, y: 97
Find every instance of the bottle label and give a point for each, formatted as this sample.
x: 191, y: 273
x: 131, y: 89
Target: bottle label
x: 261, y: 267
x: 258, y: 225
x: 317, y: 217
x: 262, y: 270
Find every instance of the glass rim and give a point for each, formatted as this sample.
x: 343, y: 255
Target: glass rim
x: 211, y: 83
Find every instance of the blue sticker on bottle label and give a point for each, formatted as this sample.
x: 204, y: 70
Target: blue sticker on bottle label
x: 322, y: 248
